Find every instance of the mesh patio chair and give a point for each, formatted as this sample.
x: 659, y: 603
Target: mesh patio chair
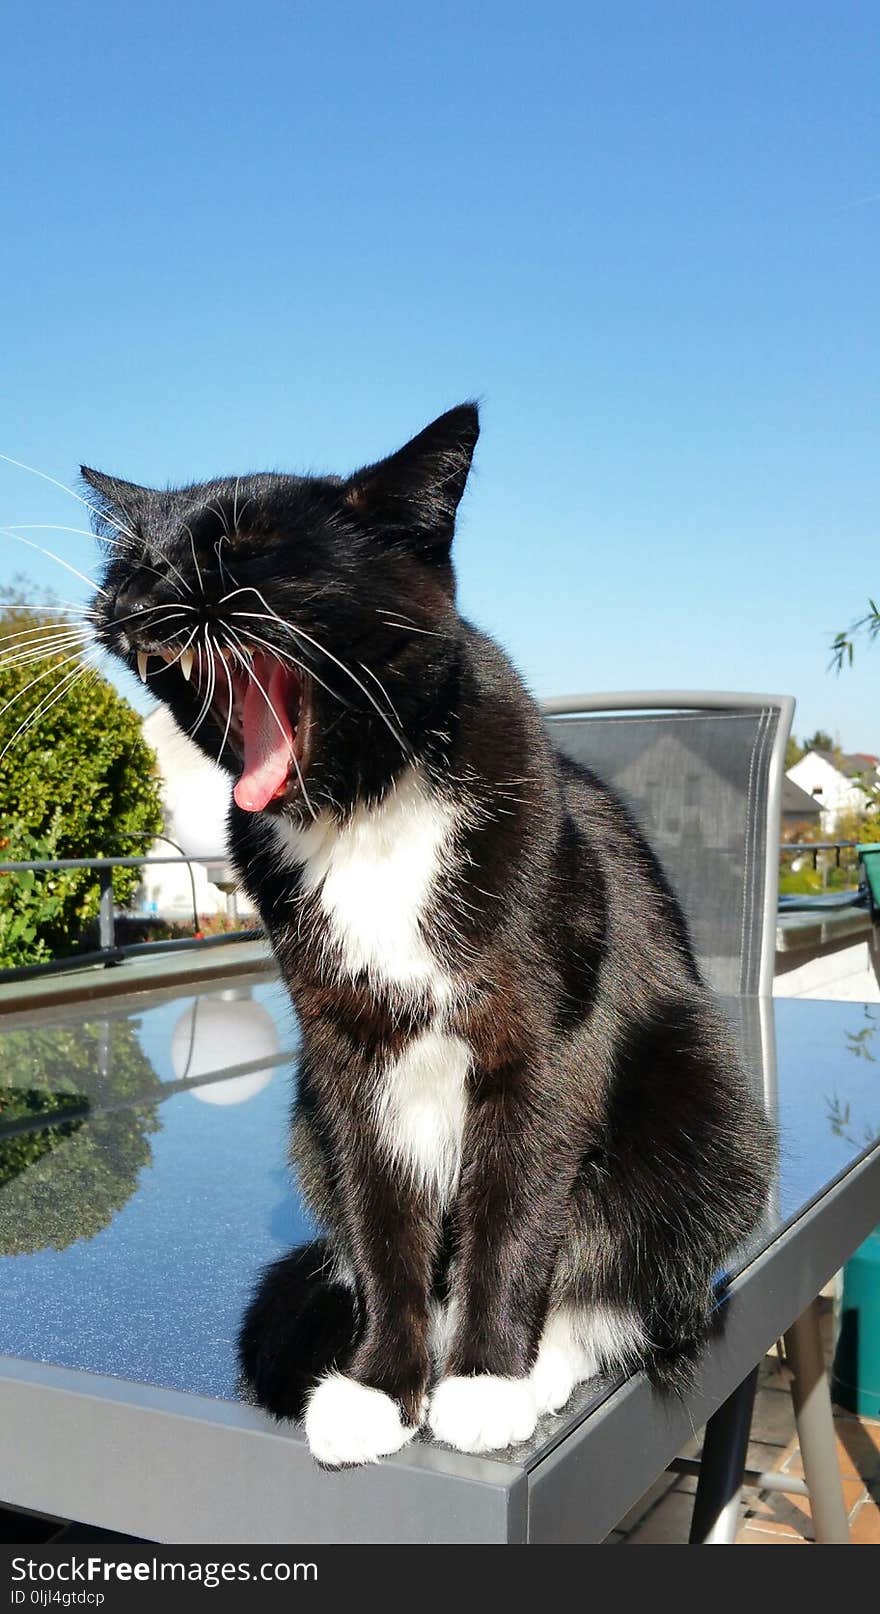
x: 702, y: 773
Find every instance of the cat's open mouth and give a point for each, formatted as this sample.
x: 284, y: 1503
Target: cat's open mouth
x: 263, y: 711
x: 269, y: 726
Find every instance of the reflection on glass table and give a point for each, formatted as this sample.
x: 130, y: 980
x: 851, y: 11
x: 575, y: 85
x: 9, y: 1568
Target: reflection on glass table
x: 144, y: 1177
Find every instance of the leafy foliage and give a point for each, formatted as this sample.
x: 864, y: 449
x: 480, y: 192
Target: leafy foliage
x: 78, y: 781
x: 805, y: 881
x: 843, y: 645
x: 793, y: 752
x: 820, y: 741
x: 855, y: 825
x: 97, y: 1094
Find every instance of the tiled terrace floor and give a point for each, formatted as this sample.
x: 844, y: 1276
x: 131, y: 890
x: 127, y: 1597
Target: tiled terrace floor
x: 771, y: 1518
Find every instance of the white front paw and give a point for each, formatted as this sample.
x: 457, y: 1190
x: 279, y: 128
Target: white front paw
x: 347, y: 1422
x: 482, y: 1412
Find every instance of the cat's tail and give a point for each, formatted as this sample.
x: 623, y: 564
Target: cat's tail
x: 300, y: 1324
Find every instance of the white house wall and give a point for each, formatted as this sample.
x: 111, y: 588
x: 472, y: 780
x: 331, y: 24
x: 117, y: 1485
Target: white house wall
x: 195, y: 795
x: 834, y: 793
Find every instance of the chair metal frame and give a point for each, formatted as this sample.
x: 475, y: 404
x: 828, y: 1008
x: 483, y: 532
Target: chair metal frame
x: 722, y: 1467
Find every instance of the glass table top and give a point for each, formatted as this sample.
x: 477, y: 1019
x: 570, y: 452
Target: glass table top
x: 144, y: 1179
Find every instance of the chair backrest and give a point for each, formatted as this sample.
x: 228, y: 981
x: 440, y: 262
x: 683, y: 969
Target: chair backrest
x: 702, y: 774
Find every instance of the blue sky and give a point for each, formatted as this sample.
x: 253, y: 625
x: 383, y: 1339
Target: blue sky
x: 644, y: 235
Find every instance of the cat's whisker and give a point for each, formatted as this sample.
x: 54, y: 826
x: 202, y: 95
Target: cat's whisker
x: 300, y: 634
x: 175, y: 660
x: 292, y: 748
x: 221, y: 564
x: 235, y: 504
x: 370, y: 674
x: 36, y: 632
x: 406, y: 627
x: 236, y: 513
x: 210, y: 682
x: 55, y: 667
x: 55, y: 526
x: 145, y: 565
x: 48, y: 701
x: 285, y: 655
x: 230, y: 706
x: 255, y: 680
x: 224, y: 600
x: 216, y: 508
x: 403, y: 621
x: 45, y: 633
x: 302, y: 786
x: 65, y: 489
x: 137, y: 543
x: 29, y: 656
x: 51, y: 607
x: 149, y: 610
x: 89, y: 581
x: 192, y: 544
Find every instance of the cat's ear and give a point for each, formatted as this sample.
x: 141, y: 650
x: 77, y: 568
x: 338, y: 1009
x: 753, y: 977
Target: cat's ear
x: 115, y: 497
x: 413, y: 495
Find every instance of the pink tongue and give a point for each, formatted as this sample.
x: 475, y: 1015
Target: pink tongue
x: 268, y: 745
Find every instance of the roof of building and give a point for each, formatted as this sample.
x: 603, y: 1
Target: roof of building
x: 852, y: 764
x: 797, y: 803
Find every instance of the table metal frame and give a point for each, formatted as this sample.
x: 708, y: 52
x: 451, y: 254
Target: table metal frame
x: 176, y: 1467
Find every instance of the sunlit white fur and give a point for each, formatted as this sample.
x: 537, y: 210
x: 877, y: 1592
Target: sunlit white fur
x: 420, y: 1110
x: 347, y: 1422
x: 441, y: 1327
x: 576, y: 1345
x: 482, y: 1412
x: 374, y: 873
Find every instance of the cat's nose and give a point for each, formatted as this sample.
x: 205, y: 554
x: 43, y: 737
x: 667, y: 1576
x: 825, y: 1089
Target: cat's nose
x: 135, y: 606
x: 127, y: 607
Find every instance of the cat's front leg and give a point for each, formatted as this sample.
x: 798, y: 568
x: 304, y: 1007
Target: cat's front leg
x: 510, y: 1217
x: 379, y: 1402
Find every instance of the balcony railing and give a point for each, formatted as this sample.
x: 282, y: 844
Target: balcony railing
x: 110, y: 952
x: 815, y: 847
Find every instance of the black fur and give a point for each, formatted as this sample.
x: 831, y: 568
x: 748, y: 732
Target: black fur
x: 611, y: 1152
x: 298, y: 1326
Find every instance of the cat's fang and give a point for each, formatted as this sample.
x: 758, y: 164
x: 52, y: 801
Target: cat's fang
x: 142, y: 660
x: 186, y: 664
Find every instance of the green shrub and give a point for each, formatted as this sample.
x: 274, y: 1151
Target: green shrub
x: 80, y: 781
x: 802, y: 883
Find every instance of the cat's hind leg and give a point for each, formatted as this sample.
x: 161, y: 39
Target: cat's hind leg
x: 579, y: 1343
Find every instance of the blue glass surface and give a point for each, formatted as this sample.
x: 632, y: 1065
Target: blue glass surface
x: 144, y: 1181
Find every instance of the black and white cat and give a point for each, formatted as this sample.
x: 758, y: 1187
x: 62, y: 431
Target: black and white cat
x: 519, y: 1122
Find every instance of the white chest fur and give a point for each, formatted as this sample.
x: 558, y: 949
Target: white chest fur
x: 373, y: 876
x: 420, y: 1111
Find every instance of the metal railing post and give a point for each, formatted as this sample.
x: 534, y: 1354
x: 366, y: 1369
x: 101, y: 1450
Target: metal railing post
x: 106, y: 915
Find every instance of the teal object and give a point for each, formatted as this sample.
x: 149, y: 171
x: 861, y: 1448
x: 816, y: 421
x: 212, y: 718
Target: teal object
x: 855, y: 1378
x: 869, y: 852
